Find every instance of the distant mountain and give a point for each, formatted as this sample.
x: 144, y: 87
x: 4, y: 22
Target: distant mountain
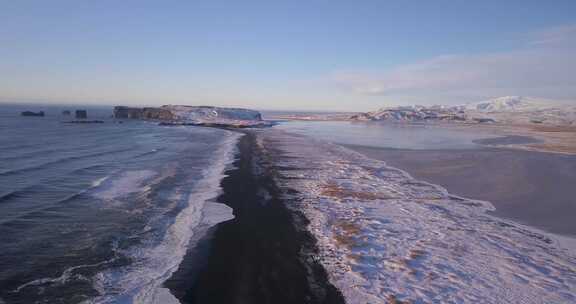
x: 508, y: 104
x: 507, y: 109
x: 413, y: 113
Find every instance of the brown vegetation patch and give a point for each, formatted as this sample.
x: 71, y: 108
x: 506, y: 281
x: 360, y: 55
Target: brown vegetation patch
x: 354, y: 257
x: 416, y: 254
x: 391, y: 299
x: 334, y: 190
x: 346, y: 233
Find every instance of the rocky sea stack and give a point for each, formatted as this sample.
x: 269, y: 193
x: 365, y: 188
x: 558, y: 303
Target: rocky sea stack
x: 30, y: 113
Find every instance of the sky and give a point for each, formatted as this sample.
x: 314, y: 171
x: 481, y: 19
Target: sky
x: 292, y: 55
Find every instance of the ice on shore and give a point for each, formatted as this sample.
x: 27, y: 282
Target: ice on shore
x: 384, y: 236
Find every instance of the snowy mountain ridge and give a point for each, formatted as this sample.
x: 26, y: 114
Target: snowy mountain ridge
x: 509, y: 104
x: 506, y: 109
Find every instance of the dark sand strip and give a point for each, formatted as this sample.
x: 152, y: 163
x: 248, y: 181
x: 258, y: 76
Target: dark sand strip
x: 533, y: 188
x: 264, y: 255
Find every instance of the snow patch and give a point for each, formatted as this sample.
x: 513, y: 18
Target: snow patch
x: 234, y: 117
x: 384, y: 236
x: 506, y: 104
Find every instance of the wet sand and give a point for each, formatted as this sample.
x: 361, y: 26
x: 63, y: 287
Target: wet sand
x: 533, y: 188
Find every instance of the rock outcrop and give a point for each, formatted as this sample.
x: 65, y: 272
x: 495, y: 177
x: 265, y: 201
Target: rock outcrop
x: 30, y: 113
x: 122, y: 112
x: 213, y: 113
x: 81, y: 114
x: 194, y: 115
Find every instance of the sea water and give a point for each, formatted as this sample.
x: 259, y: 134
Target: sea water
x: 101, y: 213
x: 388, y: 135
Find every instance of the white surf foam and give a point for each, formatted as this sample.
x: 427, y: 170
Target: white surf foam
x: 385, y: 237
x: 142, y: 281
x: 109, y: 188
x: 62, y: 279
x: 96, y: 183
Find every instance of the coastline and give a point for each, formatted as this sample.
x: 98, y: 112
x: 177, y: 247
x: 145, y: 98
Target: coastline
x: 264, y: 255
x: 385, y: 237
x: 550, y: 138
x: 532, y: 188
x: 559, y: 139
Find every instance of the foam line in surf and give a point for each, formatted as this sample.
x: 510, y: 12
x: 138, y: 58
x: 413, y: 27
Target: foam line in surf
x: 142, y: 281
x: 66, y: 275
x: 108, y: 188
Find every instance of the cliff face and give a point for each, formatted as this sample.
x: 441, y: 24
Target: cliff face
x: 212, y: 113
x: 198, y: 115
x: 157, y: 113
x: 121, y: 112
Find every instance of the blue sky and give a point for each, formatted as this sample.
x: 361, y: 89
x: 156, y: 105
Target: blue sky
x: 332, y: 55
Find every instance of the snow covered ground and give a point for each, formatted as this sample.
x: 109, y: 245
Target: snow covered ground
x: 511, y: 104
x: 506, y: 109
x: 204, y: 115
x: 385, y: 237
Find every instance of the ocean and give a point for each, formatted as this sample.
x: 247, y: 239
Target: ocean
x: 303, y: 212
x: 102, y: 213
x: 389, y: 135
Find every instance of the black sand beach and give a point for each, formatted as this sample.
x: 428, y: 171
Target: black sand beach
x: 261, y: 256
x: 533, y: 188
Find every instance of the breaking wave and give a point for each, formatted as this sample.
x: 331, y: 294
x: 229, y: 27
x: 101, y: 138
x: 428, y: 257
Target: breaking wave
x: 154, y: 262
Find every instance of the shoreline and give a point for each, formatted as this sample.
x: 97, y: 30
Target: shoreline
x: 388, y: 237
x: 263, y: 255
x: 528, y: 187
x: 559, y: 139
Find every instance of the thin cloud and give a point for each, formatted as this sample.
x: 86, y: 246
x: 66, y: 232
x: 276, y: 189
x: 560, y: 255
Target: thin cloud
x: 557, y: 37
x: 545, y: 69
